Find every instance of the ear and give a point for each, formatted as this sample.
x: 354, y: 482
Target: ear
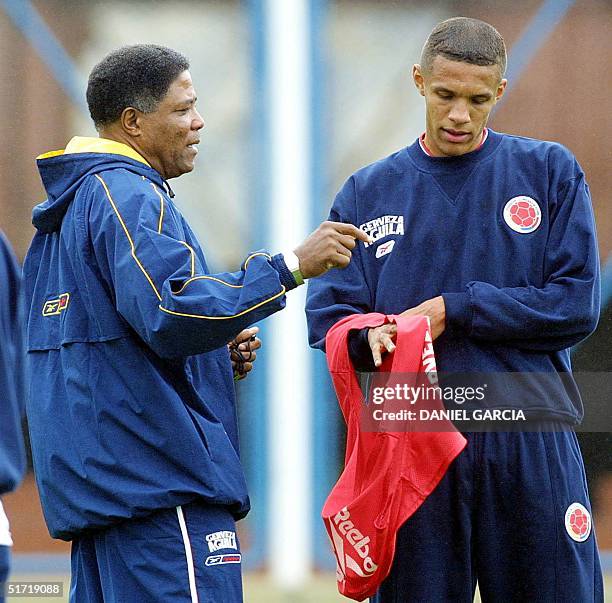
x: 131, y: 121
x: 501, y: 88
x: 419, y: 81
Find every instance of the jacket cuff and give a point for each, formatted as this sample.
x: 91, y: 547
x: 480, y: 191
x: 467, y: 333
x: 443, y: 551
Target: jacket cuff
x: 458, y: 312
x: 286, y: 278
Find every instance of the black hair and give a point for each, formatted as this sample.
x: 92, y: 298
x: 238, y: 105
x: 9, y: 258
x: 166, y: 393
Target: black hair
x: 132, y: 76
x: 465, y: 40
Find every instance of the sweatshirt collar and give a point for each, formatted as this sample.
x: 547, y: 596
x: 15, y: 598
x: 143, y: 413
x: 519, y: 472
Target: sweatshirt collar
x: 483, y: 137
x: 427, y: 162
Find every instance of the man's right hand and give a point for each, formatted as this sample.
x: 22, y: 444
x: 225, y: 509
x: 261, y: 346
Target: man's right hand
x: 381, y: 340
x: 329, y: 246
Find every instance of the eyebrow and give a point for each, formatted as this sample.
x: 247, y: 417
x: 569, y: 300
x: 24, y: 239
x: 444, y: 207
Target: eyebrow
x: 190, y: 101
x: 486, y: 95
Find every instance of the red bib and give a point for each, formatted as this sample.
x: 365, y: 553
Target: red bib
x: 387, y: 475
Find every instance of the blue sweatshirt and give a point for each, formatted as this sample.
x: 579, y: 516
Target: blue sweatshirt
x: 505, y: 234
x: 132, y: 404
x: 12, y: 382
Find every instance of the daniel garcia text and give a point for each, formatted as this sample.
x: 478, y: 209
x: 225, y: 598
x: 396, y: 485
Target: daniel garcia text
x: 454, y: 414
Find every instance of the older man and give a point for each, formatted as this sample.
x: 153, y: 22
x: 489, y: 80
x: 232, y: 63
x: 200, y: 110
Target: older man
x: 132, y: 417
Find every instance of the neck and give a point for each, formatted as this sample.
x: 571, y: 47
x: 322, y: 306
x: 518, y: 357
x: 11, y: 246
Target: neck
x: 427, y: 150
x: 118, y: 135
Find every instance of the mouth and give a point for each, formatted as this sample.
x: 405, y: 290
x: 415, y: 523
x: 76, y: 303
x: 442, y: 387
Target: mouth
x: 455, y: 136
x: 193, y: 146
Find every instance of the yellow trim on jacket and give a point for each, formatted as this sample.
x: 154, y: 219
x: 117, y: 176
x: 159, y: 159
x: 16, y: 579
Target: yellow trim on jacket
x: 265, y: 301
x: 150, y: 280
x: 86, y: 144
x: 129, y: 238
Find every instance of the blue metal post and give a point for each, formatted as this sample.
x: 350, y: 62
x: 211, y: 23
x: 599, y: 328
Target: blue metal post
x: 326, y: 418
x: 254, y: 434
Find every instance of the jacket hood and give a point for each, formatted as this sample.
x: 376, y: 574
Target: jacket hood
x: 62, y: 173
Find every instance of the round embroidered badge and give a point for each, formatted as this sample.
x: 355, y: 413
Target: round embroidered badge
x: 578, y: 522
x: 522, y: 214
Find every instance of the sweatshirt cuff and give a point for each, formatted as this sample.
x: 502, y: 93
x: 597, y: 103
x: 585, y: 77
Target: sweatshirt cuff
x: 458, y: 312
x: 286, y: 278
x: 359, y: 351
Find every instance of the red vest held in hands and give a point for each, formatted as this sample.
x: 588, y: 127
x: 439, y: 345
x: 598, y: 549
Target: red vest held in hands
x: 387, y: 474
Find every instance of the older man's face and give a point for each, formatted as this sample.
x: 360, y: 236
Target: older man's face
x: 171, y: 132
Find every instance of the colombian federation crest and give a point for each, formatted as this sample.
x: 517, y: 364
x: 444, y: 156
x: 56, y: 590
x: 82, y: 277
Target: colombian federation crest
x: 522, y: 214
x: 578, y: 522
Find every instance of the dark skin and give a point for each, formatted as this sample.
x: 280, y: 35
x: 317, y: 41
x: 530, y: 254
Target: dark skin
x: 381, y: 339
x: 247, y: 342
x: 459, y: 98
x: 167, y: 139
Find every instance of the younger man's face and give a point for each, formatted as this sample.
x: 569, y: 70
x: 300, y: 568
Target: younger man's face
x: 458, y: 98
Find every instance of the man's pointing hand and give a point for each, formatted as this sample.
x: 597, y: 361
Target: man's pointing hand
x: 329, y: 246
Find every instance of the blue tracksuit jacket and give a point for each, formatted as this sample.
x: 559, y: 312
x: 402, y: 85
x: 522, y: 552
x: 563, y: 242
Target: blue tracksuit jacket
x: 517, y: 296
x: 12, y: 398
x: 132, y: 403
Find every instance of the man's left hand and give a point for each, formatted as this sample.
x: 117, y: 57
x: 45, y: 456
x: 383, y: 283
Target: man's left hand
x: 242, y: 352
x: 436, y: 311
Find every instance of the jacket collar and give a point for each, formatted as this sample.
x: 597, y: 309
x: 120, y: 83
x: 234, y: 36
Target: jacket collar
x: 85, y: 144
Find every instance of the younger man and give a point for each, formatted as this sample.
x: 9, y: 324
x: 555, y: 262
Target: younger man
x: 492, y: 237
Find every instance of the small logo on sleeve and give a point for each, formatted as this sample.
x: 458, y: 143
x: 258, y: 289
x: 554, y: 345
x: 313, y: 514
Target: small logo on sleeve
x: 53, y: 307
x: 522, y: 214
x: 578, y: 522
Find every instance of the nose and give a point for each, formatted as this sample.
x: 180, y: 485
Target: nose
x: 459, y: 113
x: 198, y: 122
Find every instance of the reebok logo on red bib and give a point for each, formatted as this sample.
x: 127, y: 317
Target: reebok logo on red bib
x: 361, y: 563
